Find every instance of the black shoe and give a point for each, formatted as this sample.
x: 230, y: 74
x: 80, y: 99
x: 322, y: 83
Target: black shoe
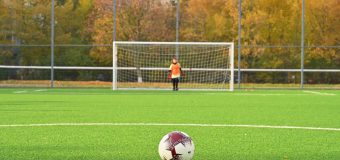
x: 176, y: 89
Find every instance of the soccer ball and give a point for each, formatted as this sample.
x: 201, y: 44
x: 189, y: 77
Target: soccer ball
x: 176, y: 146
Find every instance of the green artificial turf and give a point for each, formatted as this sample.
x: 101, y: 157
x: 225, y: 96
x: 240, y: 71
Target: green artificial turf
x: 260, y: 107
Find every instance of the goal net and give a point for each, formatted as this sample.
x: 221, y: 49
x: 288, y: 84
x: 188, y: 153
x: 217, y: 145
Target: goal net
x: 145, y: 65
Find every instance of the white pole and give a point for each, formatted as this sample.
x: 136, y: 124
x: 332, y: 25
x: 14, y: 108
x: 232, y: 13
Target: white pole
x: 239, y: 43
x: 114, y: 67
x: 302, y: 43
x: 177, y: 27
x: 52, y: 43
x: 114, y: 20
x: 231, y: 56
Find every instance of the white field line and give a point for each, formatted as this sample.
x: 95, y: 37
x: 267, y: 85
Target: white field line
x: 40, y: 90
x: 199, y: 93
x: 263, y: 94
x: 228, y: 93
x: 18, y: 92
x: 171, y: 124
x: 320, y: 93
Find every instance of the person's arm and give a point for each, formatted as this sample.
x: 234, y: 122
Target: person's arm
x: 181, y: 71
x: 170, y: 70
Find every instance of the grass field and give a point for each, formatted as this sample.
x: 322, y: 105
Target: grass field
x: 128, y: 125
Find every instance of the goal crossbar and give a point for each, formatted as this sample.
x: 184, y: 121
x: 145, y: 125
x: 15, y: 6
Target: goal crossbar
x: 175, y: 43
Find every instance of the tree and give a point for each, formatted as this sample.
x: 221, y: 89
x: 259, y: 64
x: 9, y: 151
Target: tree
x: 137, y: 20
x: 205, y: 20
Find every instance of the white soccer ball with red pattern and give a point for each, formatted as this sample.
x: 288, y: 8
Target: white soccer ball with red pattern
x: 176, y: 146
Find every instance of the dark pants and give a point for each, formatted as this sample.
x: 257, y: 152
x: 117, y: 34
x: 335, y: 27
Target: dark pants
x: 175, y: 82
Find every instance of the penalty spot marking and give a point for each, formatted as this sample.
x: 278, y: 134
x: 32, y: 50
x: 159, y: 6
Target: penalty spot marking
x: 320, y: 93
x: 172, y: 124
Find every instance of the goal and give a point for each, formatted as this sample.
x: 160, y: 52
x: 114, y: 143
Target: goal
x: 145, y: 65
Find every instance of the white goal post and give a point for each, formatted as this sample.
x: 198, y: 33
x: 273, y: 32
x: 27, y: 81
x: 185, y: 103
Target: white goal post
x: 145, y: 65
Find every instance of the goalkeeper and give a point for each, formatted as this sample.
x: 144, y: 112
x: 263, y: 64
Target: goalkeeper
x: 175, y: 73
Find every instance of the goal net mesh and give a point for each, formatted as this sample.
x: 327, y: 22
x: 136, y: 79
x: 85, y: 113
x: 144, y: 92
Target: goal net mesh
x: 146, y: 66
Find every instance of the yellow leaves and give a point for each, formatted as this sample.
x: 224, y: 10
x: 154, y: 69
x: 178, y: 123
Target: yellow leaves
x: 220, y: 24
x: 209, y: 20
x: 322, y: 22
x: 325, y: 55
x: 270, y: 22
x: 264, y: 22
x: 102, y: 34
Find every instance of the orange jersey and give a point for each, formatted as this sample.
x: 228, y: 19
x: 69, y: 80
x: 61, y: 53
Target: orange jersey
x: 175, y: 70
